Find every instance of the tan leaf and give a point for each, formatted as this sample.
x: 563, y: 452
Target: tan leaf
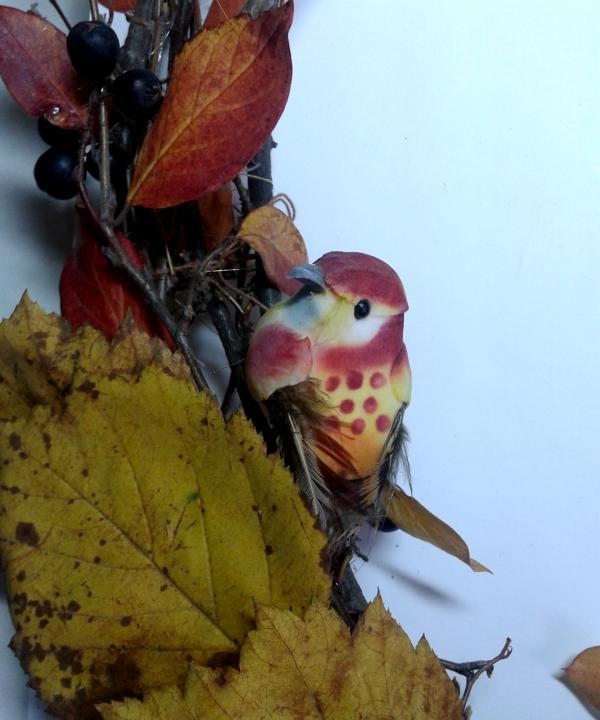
x: 313, y: 669
x: 410, y: 516
x: 583, y: 675
x: 137, y: 531
x: 275, y: 238
x: 228, y: 87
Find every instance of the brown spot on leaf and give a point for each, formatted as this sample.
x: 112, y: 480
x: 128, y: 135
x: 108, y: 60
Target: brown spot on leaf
x: 66, y: 682
x: 20, y: 576
x: 69, y: 659
x: 14, y: 441
x: 47, y: 440
x: 268, y: 550
x: 90, y: 388
x: 126, y: 620
x: 26, y: 533
x: 97, y: 560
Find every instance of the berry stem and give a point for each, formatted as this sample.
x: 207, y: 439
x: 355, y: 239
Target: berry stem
x: 94, y: 10
x: 59, y: 10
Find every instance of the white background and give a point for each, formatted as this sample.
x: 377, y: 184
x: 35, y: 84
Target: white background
x: 459, y: 141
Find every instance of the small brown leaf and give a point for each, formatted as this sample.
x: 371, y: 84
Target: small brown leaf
x: 228, y: 88
x: 216, y: 216
x: 275, y: 238
x: 37, y: 71
x: 583, y: 675
x: 221, y: 10
x: 410, y: 516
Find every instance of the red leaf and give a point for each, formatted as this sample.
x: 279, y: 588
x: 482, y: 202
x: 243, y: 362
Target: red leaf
x: 93, y: 291
x: 36, y: 69
x: 275, y: 238
x: 119, y: 5
x: 221, y: 10
x: 228, y: 87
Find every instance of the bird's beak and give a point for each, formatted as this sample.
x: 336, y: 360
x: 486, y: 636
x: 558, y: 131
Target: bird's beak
x: 311, y: 276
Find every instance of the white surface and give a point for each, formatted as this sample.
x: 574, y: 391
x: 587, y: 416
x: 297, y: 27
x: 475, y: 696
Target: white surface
x: 460, y: 142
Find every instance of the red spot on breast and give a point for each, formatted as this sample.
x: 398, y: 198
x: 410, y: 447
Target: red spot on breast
x: 346, y: 406
x: 357, y: 426
x: 332, y: 383
x: 370, y: 404
x: 377, y: 380
x: 354, y: 379
x: 383, y: 423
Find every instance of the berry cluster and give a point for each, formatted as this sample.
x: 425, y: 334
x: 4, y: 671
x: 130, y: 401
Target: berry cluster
x: 136, y: 95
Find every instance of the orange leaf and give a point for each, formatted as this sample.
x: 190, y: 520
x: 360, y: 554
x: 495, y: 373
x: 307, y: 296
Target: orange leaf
x: 583, y: 675
x: 228, y: 88
x: 413, y: 518
x: 221, y: 10
x: 275, y: 238
x: 37, y: 71
x: 216, y: 216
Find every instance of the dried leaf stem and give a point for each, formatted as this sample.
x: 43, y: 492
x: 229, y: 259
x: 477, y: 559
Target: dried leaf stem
x: 472, y: 671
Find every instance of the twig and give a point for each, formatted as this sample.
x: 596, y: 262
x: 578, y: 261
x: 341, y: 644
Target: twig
x: 59, y: 10
x: 107, y: 205
x: 260, y: 183
x: 139, y: 36
x: 94, y: 10
x: 244, y: 196
x: 472, y: 671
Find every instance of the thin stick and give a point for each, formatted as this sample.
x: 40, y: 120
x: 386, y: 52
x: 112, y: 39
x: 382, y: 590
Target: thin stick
x: 59, y: 10
x: 244, y: 195
x: 94, y: 10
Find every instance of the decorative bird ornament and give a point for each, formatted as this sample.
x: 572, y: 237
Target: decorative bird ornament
x: 331, y: 367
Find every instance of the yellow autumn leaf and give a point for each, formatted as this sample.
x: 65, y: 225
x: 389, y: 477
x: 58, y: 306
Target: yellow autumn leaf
x: 41, y: 361
x: 137, y: 529
x: 311, y: 669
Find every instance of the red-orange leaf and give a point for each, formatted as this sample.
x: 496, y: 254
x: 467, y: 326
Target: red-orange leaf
x: 228, y: 88
x: 216, y: 216
x: 119, y: 5
x: 36, y: 69
x: 275, y: 238
x: 94, y: 292
x: 221, y: 10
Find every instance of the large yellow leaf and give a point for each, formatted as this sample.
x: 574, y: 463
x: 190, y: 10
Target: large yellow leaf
x: 137, y: 529
x: 311, y: 669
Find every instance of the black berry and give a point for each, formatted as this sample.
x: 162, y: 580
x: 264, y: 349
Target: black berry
x: 137, y: 94
x: 93, y: 47
x: 54, y: 173
x: 56, y: 136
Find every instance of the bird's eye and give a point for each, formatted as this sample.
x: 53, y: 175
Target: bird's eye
x: 362, y: 309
